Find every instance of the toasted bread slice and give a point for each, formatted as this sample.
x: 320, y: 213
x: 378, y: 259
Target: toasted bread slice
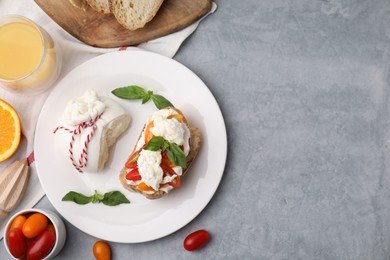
x: 195, y: 144
x: 134, y: 14
x: 101, y: 6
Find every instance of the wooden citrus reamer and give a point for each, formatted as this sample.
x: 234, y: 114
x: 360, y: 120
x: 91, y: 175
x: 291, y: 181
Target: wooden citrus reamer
x: 13, y: 183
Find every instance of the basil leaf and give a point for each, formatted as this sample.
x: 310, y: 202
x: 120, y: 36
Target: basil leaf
x: 165, y: 146
x: 136, y: 92
x: 77, y: 198
x: 147, y: 96
x: 161, y: 102
x: 155, y: 143
x: 176, y: 155
x: 130, y: 92
x: 114, y: 198
x: 96, y: 197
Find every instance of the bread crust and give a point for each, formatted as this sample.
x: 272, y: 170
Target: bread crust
x: 117, y: 11
x: 195, y: 144
x: 101, y: 6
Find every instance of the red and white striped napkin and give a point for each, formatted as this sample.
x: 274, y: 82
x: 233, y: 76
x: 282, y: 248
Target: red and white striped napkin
x: 74, y: 53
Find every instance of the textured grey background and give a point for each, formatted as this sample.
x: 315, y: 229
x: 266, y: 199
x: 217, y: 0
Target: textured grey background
x: 303, y: 86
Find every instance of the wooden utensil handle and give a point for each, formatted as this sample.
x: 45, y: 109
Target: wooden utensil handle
x: 3, y: 214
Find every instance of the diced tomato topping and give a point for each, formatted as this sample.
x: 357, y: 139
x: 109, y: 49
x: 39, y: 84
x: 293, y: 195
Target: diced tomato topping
x: 130, y: 165
x: 178, y: 117
x: 166, y: 160
x: 176, y: 182
x: 133, y: 175
x: 148, y: 134
x: 166, y: 168
x: 132, y: 161
x: 164, y: 156
x: 144, y: 187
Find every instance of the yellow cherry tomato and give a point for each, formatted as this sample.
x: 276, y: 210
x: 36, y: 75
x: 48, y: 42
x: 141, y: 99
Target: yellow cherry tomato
x: 178, y: 117
x: 148, y: 134
x: 34, y: 225
x: 143, y: 186
x: 101, y: 250
x: 18, y: 222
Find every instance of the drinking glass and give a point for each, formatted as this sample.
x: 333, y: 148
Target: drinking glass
x: 30, y: 61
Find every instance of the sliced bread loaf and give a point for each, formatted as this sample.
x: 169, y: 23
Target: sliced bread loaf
x: 134, y: 14
x: 101, y: 6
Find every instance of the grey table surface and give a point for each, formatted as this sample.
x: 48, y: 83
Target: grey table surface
x: 304, y: 90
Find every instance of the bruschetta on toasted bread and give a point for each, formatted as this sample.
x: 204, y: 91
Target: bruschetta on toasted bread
x: 165, y: 149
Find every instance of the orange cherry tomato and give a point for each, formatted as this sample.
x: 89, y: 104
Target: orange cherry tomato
x: 148, y: 134
x: 18, y: 222
x: 101, y: 250
x: 34, y: 225
x: 143, y: 186
x: 178, y: 117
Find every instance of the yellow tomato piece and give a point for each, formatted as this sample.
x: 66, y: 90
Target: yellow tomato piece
x: 178, y: 117
x: 148, y: 134
x: 144, y: 187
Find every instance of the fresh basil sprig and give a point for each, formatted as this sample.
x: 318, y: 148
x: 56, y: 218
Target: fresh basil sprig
x: 112, y: 198
x: 174, y: 153
x: 135, y: 92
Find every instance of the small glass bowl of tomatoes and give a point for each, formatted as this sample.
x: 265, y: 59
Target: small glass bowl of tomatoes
x: 34, y: 234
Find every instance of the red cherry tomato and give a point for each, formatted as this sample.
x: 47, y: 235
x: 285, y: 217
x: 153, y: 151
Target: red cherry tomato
x: 167, y: 168
x: 176, y: 182
x: 196, y: 240
x: 41, y: 246
x: 34, y: 225
x: 131, y: 165
x: 132, y: 161
x: 101, y: 250
x: 133, y: 175
x: 51, y: 228
x: 17, y: 244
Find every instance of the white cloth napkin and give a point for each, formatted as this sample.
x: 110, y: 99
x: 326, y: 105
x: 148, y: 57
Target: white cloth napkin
x: 74, y: 53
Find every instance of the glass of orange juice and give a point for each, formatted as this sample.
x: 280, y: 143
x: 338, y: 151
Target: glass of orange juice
x: 30, y: 61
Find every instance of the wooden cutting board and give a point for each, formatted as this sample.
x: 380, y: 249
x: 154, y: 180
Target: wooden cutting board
x: 102, y: 30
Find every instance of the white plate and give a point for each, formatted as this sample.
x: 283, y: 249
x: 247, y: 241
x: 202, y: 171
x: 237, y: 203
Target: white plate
x: 143, y: 219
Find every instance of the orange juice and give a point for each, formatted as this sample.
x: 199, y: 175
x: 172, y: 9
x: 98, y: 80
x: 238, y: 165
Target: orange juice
x: 19, y: 41
x: 29, y: 59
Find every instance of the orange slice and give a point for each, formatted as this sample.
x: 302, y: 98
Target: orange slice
x: 9, y: 130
